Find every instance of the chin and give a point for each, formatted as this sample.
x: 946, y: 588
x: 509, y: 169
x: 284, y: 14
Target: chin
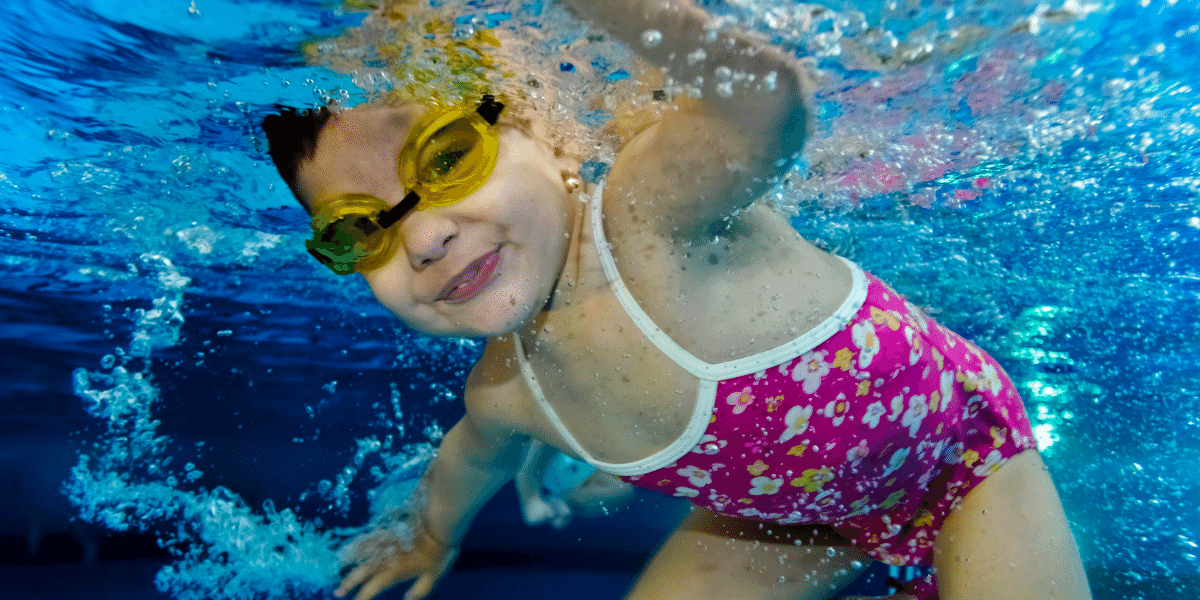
x: 508, y: 306
x: 507, y: 316
x: 489, y: 315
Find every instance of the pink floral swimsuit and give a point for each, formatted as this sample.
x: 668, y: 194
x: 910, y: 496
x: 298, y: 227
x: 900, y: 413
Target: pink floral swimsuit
x: 876, y: 423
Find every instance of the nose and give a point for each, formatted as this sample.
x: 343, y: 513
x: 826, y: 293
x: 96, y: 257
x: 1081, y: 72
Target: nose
x: 427, y: 237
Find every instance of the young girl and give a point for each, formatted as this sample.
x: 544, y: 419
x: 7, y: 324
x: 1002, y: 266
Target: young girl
x: 665, y: 328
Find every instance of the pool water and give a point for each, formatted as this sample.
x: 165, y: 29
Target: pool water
x: 194, y: 409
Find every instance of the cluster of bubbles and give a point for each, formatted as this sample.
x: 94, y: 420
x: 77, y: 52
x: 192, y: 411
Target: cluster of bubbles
x: 224, y: 548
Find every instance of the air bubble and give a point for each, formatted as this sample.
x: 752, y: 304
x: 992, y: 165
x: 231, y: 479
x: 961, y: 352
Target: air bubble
x: 769, y: 81
x: 651, y: 38
x: 108, y: 361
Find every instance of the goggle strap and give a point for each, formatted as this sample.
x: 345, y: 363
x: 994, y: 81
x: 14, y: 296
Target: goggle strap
x: 389, y: 217
x: 489, y: 109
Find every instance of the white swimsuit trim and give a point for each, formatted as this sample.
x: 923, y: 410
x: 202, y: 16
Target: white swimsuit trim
x: 709, y: 374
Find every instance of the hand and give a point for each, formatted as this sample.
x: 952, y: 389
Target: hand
x: 385, y: 560
x: 546, y: 510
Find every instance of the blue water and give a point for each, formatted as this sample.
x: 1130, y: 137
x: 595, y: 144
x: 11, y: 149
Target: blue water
x: 177, y: 373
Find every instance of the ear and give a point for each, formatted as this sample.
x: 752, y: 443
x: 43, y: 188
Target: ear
x: 572, y: 181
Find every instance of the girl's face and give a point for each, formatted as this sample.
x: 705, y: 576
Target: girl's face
x: 479, y: 267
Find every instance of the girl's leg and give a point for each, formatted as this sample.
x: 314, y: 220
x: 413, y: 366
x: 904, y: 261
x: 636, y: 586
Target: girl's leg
x: 710, y: 556
x: 1010, y: 540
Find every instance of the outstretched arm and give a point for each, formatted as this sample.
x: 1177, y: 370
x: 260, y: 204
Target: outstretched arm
x: 742, y: 79
x: 711, y: 157
x: 474, y: 461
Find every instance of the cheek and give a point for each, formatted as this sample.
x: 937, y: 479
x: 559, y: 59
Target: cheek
x: 543, y: 245
x: 544, y: 215
x: 390, y: 291
x: 391, y: 286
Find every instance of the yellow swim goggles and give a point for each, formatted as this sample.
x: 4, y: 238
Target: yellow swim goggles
x: 449, y: 154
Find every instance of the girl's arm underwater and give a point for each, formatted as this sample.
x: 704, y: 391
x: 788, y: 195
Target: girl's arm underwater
x: 705, y: 159
x: 476, y: 458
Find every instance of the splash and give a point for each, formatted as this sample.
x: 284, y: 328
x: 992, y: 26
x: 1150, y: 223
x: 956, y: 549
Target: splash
x: 223, y: 549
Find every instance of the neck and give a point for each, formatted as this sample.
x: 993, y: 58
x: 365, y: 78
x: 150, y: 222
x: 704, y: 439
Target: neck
x: 568, y: 277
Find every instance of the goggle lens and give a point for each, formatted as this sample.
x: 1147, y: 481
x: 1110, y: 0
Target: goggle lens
x: 444, y: 156
x: 348, y: 237
x: 451, y: 158
x: 449, y: 155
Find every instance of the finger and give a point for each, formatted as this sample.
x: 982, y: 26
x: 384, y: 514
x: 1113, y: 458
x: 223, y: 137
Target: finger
x: 421, y: 588
x: 377, y: 584
x: 429, y: 580
x: 351, y: 581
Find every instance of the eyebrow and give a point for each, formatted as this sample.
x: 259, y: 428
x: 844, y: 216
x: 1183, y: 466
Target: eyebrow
x: 402, y: 117
x: 398, y: 120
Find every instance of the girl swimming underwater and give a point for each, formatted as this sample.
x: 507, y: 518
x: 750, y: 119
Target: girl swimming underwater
x: 665, y: 328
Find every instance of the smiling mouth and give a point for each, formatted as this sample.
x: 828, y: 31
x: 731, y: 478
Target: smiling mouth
x: 471, y: 280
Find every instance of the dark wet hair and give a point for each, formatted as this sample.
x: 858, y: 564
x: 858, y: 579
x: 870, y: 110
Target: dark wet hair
x: 292, y: 138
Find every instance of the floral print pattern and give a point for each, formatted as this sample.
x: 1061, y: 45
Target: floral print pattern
x: 866, y: 342
x: 879, y: 431
x: 810, y: 369
x: 740, y: 400
x: 797, y: 422
x: 696, y: 476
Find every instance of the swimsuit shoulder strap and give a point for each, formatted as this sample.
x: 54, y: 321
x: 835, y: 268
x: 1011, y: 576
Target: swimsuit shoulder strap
x: 689, y: 362
x: 686, y: 441
x: 674, y: 351
x: 536, y: 389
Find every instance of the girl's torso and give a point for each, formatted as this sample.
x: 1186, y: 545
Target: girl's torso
x: 752, y: 287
